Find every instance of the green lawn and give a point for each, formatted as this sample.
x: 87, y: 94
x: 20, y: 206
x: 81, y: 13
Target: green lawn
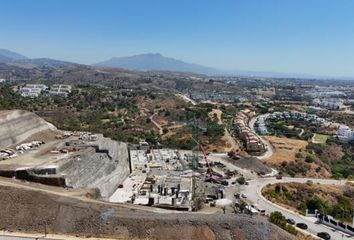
x: 320, y: 138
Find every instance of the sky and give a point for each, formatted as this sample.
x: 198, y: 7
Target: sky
x: 291, y: 36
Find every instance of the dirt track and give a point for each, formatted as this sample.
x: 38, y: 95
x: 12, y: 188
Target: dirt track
x: 26, y: 210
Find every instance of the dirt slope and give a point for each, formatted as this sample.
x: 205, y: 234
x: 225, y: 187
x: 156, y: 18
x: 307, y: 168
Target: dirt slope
x: 29, y: 211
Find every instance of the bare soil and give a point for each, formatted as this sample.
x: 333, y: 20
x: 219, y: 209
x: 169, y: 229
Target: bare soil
x: 26, y: 210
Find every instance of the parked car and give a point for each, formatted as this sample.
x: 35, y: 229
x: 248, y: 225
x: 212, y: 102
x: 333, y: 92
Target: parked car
x: 324, y: 235
x: 243, y: 195
x: 302, y: 226
x: 290, y: 221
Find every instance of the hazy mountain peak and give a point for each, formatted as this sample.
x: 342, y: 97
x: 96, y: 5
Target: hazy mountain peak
x: 155, y: 62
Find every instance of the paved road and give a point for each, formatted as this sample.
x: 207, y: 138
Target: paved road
x: 253, y: 193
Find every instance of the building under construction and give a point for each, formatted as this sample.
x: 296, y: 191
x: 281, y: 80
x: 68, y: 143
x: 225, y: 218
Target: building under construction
x: 162, y: 178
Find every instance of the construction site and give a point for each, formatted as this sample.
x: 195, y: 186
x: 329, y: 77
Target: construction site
x: 161, y: 178
x: 84, y: 184
x: 34, y: 150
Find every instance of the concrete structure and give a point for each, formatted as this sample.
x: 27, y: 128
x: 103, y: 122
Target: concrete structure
x: 345, y: 133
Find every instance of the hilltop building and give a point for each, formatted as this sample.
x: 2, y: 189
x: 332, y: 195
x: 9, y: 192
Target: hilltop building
x: 60, y: 90
x: 32, y: 90
x: 344, y: 133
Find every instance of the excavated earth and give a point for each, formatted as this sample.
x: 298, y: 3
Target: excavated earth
x: 18, y: 125
x: 30, y: 211
x: 100, y: 164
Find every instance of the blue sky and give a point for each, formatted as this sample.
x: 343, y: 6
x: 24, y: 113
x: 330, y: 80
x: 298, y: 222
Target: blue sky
x: 292, y: 36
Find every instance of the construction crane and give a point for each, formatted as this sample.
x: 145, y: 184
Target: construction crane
x: 199, y: 147
x: 209, y: 169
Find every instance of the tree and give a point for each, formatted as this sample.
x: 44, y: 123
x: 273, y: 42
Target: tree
x: 242, y: 206
x: 241, y: 180
x: 279, y: 219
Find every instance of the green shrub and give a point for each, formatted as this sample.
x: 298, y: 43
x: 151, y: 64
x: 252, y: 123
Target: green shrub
x: 241, y: 180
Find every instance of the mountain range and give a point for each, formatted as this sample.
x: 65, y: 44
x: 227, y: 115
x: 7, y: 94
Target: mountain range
x: 148, y: 62
x: 13, y: 58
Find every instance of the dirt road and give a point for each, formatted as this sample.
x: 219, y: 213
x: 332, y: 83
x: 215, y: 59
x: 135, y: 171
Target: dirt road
x: 228, y: 138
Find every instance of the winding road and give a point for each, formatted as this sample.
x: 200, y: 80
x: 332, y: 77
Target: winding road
x: 253, y: 193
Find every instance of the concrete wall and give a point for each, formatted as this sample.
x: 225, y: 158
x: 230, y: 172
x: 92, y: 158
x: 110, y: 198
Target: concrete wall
x: 104, y: 167
x: 17, y: 125
x: 119, y: 160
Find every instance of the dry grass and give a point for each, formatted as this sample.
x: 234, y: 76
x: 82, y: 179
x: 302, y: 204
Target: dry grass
x: 284, y: 149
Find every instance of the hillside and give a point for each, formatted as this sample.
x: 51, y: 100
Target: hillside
x: 333, y: 200
x: 7, y: 55
x: 85, y: 217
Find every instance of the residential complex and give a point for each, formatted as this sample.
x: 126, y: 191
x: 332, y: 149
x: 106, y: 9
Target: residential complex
x: 32, y: 90
x: 293, y: 115
x: 329, y: 103
x: 60, y: 89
